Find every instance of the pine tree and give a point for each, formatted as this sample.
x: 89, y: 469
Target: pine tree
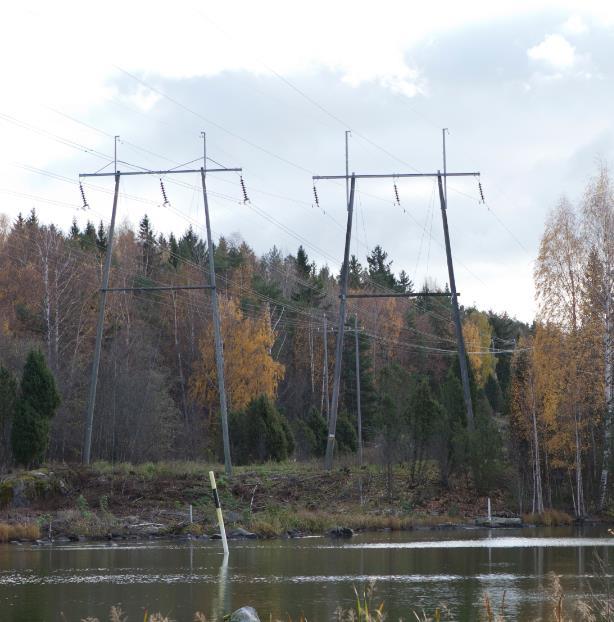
x: 37, y: 403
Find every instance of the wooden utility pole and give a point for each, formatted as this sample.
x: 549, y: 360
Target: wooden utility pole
x: 332, y: 423
x: 219, y: 352
x: 89, y: 415
x: 325, y: 392
x: 458, y: 328
x: 344, y: 296
x: 358, y: 407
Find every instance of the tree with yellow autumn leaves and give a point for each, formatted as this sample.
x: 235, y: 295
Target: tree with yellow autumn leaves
x: 249, y: 367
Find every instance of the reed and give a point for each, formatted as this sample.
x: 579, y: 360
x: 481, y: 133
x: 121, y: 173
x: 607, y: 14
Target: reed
x: 19, y: 531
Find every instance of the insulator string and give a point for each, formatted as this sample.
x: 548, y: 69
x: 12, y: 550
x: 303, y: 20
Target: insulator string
x: 85, y: 203
x: 166, y: 202
x: 245, y: 197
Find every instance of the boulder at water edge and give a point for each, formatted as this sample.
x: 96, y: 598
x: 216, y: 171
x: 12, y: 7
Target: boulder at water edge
x: 245, y: 614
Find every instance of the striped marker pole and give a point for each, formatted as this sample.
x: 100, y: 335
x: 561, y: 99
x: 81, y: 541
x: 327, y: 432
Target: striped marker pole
x: 218, y: 511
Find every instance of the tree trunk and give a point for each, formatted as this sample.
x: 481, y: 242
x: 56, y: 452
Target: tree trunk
x: 609, y: 402
x: 538, y: 499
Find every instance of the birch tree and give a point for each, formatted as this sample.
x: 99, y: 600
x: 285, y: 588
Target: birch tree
x: 598, y: 213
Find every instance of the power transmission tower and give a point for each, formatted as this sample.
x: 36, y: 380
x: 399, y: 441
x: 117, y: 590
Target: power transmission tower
x: 219, y: 351
x: 330, y: 445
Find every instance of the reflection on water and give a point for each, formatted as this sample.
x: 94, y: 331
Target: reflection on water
x: 311, y: 576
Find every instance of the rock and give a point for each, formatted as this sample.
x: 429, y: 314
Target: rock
x: 62, y: 539
x: 242, y: 533
x: 23, y: 489
x: 341, y: 532
x: 499, y: 521
x: 245, y: 614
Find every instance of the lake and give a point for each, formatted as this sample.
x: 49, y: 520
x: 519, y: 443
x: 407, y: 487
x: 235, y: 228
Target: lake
x: 312, y: 576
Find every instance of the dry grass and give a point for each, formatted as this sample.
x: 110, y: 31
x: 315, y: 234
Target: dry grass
x: 19, y: 531
x: 548, y: 518
x: 277, y: 521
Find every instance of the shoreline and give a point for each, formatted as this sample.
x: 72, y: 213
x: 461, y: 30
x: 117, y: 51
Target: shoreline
x: 105, y: 502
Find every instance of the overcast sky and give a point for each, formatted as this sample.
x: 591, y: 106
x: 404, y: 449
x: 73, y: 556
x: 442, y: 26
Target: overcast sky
x: 525, y: 89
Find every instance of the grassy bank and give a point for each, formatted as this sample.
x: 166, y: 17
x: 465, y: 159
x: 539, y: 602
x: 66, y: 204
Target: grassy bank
x: 105, y: 500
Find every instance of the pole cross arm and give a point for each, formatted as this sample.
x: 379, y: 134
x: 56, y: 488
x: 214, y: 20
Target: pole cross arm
x: 396, y: 175
x: 169, y: 172
x: 155, y: 289
x: 401, y: 295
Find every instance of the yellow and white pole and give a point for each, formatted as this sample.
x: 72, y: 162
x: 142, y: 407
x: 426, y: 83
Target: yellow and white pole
x: 218, y: 511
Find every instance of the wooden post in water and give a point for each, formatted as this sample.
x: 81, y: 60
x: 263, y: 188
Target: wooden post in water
x: 218, y: 511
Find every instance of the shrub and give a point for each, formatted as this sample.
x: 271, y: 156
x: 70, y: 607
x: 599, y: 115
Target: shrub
x: 260, y: 434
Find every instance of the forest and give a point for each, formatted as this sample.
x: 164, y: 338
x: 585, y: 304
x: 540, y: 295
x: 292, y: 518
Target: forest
x: 542, y: 393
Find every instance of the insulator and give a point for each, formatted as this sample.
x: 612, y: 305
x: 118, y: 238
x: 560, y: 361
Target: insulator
x: 85, y: 203
x: 396, y: 194
x: 245, y: 197
x: 481, y: 192
x: 166, y: 202
x: 315, y: 195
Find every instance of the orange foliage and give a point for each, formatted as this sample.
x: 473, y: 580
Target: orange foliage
x: 248, y: 365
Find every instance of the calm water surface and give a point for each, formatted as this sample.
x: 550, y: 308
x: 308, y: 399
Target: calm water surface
x: 311, y: 576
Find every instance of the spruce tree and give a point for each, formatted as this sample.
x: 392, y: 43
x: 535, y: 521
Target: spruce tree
x: 8, y: 403
x: 37, y: 403
x: 74, y: 230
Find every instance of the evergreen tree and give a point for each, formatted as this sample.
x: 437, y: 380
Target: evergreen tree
x: 191, y: 247
x: 368, y: 393
x: 260, y: 434
x: 424, y: 415
x: 101, y: 238
x: 37, y: 403
x: 310, y: 293
x: 32, y: 220
x: 147, y: 241
x: 173, y: 248
x: 8, y: 403
x: 74, y: 232
x: 404, y: 283
x: 452, y: 435
x: 379, y: 268
x: 19, y: 223
x: 88, y: 237
x: 355, y: 273
x: 303, y: 267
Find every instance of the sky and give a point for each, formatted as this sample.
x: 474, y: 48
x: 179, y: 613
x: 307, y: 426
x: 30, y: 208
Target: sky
x: 524, y: 88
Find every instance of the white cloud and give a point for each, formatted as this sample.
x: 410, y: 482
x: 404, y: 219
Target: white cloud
x: 575, y: 25
x: 554, y: 51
